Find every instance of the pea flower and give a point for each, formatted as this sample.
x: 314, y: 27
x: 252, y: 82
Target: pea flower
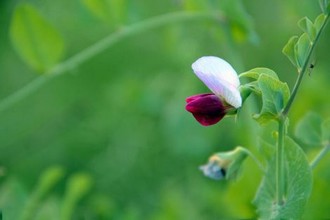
x: 220, y: 77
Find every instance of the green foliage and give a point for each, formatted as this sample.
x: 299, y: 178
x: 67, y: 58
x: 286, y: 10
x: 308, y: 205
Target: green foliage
x: 42, y: 204
x: 35, y: 39
x: 253, y: 86
x: 325, y: 6
x: 109, y: 11
x: 313, y: 130
x: 298, y: 186
x: 275, y: 95
x: 298, y: 48
x: 289, y: 50
x: 78, y: 185
x: 13, y: 195
x: 120, y: 116
x: 302, y: 49
x: 319, y: 21
x: 225, y: 164
x: 308, y: 129
x: 235, y: 159
x: 46, y: 182
x: 256, y: 73
x: 325, y: 128
x: 266, y: 149
x: 308, y: 27
x: 241, y: 24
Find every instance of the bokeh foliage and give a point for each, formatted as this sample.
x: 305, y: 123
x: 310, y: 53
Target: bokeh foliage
x: 110, y: 139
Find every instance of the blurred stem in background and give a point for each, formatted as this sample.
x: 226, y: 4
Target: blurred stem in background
x: 104, y: 44
x: 320, y: 155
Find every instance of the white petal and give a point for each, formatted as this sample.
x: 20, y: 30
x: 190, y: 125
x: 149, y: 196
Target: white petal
x: 220, y: 77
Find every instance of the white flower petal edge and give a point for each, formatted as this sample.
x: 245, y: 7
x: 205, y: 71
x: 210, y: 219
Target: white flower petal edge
x: 220, y: 77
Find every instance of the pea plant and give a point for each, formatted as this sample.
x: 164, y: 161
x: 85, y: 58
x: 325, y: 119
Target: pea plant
x: 287, y: 176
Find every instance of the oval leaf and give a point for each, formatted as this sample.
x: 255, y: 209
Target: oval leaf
x: 275, y: 95
x: 100, y: 8
x: 298, y: 186
x: 289, y: 51
x: 35, y: 39
x: 319, y: 22
x: 302, y: 48
x: 307, y: 26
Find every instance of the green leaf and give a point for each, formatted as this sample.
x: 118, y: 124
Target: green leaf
x: 109, y: 11
x: 319, y: 22
x: 256, y: 72
x: 13, y: 194
x: 302, y: 48
x: 275, y: 95
x: 78, y: 185
x: 308, y: 129
x: 46, y: 182
x: 298, y: 186
x: 326, y: 131
x: 240, y: 22
x: 307, y: 26
x: 35, y: 39
x: 289, y: 51
x: 195, y: 5
x: 322, y: 5
x: 325, y: 6
x: 100, y: 8
x: 266, y: 149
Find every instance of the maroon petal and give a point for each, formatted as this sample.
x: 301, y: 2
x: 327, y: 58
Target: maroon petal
x: 206, y: 108
x: 194, y: 97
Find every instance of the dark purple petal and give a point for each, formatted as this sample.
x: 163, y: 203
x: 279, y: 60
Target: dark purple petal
x: 194, y: 97
x: 206, y: 108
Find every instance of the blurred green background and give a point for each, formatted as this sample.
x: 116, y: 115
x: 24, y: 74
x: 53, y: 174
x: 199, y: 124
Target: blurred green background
x: 110, y: 139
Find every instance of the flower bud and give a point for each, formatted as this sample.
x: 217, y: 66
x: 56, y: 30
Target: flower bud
x: 207, y: 109
x: 225, y: 165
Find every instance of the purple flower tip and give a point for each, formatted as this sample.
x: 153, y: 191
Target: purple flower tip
x: 206, y: 108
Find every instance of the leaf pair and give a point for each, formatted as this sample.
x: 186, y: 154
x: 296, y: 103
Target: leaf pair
x: 274, y: 93
x: 298, y: 48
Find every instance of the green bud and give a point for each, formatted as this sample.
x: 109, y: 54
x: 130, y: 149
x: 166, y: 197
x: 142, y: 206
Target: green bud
x: 225, y: 165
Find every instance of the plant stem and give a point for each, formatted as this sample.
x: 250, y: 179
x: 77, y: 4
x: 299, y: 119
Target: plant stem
x: 303, y: 70
x: 280, y: 178
x: 104, y: 44
x: 320, y: 155
x: 279, y: 161
x: 255, y: 159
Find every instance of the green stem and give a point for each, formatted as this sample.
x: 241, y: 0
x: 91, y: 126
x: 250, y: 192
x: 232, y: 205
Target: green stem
x: 320, y: 155
x: 104, y: 44
x: 303, y: 70
x: 280, y: 181
x: 279, y: 162
x: 255, y: 159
